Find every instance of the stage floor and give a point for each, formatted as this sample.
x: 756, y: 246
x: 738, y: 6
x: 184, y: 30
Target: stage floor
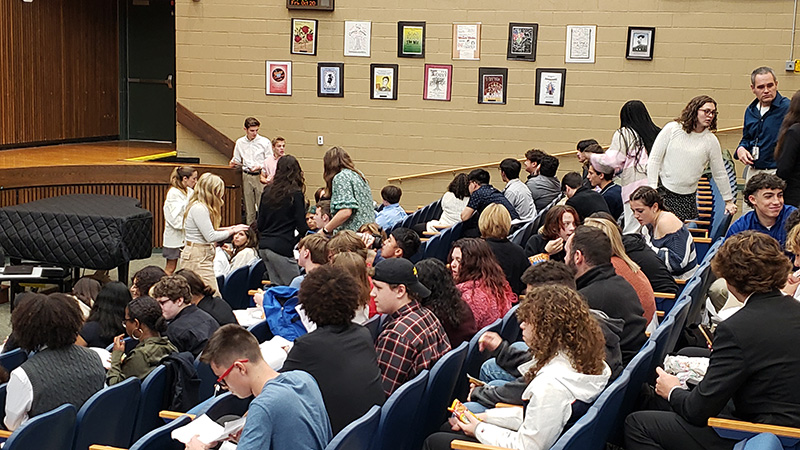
x: 84, y: 153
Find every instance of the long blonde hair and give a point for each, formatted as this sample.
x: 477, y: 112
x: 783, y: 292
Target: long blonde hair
x: 208, y: 192
x: 612, y: 231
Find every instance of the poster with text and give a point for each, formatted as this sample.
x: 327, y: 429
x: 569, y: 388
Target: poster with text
x: 357, y: 38
x: 467, y: 41
x: 438, y: 82
x: 384, y: 81
x: 279, y: 78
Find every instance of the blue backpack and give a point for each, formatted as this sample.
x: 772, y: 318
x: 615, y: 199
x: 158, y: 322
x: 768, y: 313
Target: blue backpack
x: 280, y: 311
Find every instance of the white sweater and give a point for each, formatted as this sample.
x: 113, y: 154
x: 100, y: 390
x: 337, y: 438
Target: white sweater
x: 680, y: 158
x: 199, y: 229
x: 174, y: 209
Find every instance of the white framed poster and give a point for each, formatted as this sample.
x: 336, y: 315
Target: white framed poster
x: 580, y: 43
x: 279, y: 78
x: 357, y: 38
x: 467, y: 41
x: 550, y: 85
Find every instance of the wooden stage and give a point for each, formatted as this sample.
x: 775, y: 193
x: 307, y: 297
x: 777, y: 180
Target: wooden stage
x: 109, y: 168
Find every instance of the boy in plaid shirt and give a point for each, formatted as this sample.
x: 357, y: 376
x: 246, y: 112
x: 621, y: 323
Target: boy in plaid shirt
x: 412, y: 339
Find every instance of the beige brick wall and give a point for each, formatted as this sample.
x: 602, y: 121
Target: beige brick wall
x: 701, y: 46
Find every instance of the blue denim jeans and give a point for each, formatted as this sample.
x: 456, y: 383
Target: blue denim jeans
x: 490, y: 371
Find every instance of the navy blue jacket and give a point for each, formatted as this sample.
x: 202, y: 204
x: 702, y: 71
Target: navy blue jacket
x: 762, y: 131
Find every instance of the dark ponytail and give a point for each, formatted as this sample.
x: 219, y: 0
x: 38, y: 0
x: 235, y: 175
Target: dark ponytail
x: 147, y: 311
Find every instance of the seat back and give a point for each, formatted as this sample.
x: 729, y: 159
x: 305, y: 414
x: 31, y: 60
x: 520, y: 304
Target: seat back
x: 439, y: 392
x: 374, y: 326
x: 660, y: 337
x: 108, y: 417
x: 261, y: 331
x: 224, y: 405
x: 3, y: 401
x: 207, y: 379
x: 13, y: 359
x: 509, y: 330
x: 679, y: 314
x: 580, y: 436
x: 521, y: 236
x: 153, y: 391
x: 161, y: 438
x: 53, y: 430
x: 474, y: 359
x: 439, y: 246
x: 234, y: 290
x: 607, y: 408
x: 640, y: 370
x: 399, y: 415
x: 255, y: 275
x: 359, y: 433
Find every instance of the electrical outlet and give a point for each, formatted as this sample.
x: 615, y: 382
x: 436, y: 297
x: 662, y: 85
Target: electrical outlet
x: 320, y: 141
x: 790, y: 66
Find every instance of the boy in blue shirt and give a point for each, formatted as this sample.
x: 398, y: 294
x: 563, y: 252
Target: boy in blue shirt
x: 392, y: 213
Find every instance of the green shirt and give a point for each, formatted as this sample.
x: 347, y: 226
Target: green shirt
x: 140, y: 362
x: 350, y: 191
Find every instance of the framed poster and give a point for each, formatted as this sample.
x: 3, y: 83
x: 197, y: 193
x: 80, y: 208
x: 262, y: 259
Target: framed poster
x: 279, y: 78
x: 318, y: 5
x: 467, y: 41
x: 304, y: 37
x: 492, y: 83
x: 640, y: 43
x: 550, y: 87
x: 410, y: 39
x: 438, y: 82
x: 580, y: 43
x: 383, y: 78
x: 522, y: 39
x: 357, y: 38
x: 330, y: 79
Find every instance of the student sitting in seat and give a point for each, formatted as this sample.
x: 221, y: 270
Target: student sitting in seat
x: 392, y: 213
x: 59, y: 372
x: 287, y: 412
x: 567, y: 365
x: 144, y: 323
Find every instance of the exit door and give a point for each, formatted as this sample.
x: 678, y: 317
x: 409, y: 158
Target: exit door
x: 150, y: 76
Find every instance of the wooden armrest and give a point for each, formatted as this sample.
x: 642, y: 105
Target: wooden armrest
x: 506, y: 405
x: 701, y: 240
x: 465, y: 445
x: 698, y: 222
x: 681, y: 282
x: 428, y: 233
x: 424, y: 239
x: 5, y: 434
x: 660, y: 314
x: 103, y: 447
x: 647, y: 334
x: 252, y: 292
x: 266, y: 283
x: 698, y: 230
x: 442, y: 227
x: 739, y: 425
x: 704, y: 216
x: 172, y: 415
x: 410, y: 211
x: 664, y: 295
x: 705, y: 209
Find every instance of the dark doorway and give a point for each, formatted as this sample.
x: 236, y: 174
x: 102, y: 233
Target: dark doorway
x: 149, y: 70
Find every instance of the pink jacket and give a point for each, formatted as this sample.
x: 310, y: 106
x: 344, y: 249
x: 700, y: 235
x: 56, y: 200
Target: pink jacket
x: 485, y: 306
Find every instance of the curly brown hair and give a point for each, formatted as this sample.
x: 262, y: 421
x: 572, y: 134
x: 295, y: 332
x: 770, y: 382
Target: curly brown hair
x: 42, y: 320
x: 553, y: 220
x: 562, y: 323
x: 478, y: 263
x: 752, y: 262
x: 173, y: 287
x: 329, y: 295
x: 688, y: 118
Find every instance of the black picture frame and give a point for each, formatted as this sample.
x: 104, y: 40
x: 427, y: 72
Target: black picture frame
x: 303, y: 34
x: 314, y: 5
x: 380, y: 89
x: 522, y: 40
x: 410, y: 45
x: 550, y: 87
x: 330, y: 79
x: 492, y: 85
x: 641, y: 41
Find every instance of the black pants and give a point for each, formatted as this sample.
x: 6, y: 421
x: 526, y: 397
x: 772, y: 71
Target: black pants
x: 667, y: 430
x: 441, y: 440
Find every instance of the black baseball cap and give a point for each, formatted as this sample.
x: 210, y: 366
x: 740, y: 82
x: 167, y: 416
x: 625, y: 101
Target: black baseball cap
x: 400, y: 271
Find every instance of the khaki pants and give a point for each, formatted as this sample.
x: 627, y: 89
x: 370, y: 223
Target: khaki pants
x: 252, y: 187
x: 199, y: 258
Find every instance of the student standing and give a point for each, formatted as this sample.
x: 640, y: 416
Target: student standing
x: 182, y: 180
x: 249, y: 154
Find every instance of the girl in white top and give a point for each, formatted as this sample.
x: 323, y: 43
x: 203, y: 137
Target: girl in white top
x: 201, y: 222
x: 567, y: 365
x: 453, y: 202
x: 681, y: 153
x: 182, y: 180
x: 242, y: 254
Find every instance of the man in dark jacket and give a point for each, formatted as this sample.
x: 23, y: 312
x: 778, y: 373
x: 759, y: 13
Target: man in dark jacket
x: 585, y: 201
x: 752, y: 372
x: 589, y: 255
x: 653, y: 267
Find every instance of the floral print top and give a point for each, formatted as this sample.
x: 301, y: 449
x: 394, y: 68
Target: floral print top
x: 350, y: 191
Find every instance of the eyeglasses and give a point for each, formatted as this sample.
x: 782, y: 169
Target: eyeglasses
x: 163, y: 302
x: 709, y: 112
x: 125, y: 321
x: 221, y: 384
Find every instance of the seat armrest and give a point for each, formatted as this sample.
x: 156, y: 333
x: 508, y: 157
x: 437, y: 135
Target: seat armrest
x: 172, y: 415
x: 104, y: 447
x: 739, y: 425
x: 466, y: 445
